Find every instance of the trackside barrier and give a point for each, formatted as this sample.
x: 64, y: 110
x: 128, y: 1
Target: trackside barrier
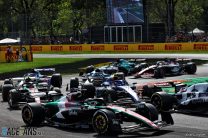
x: 25, y: 54
x: 143, y: 47
x: 140, y: 47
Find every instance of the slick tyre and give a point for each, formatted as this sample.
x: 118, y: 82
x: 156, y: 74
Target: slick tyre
x: 56, y: 80
x: 12, y: 102
x: 5, y: 91
x: 104, y: 123
x: 33, y: 114
x: 88, y: 90
x: 162, y: 101
x: 149, y: 111
x: 191, y: 68
x: 147, y: 91
x: 159, y: 73
x: 8, y: 81
x: 74, y: 83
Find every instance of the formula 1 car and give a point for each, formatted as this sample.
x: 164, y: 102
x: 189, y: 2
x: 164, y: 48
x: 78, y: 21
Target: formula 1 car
x: 167, y: 68
x: 112, y: 89
x: 75, y: 111
x: 96, y: 77
x: 121, y: 65
x: 193, y: 98
x: 117, y: 89
x: 170, y: 87
x: 32, y: 92
x: 47, y: 75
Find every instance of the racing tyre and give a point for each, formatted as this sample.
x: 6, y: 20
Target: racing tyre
x: 8, y: 81
x: 147, y: 110
x: 56, y: 80
x: 74, y: 83
x: 147, y: 91
x: 159, y: 73
x: 12, y: 100
x: 162, y: 101
x: 190, y: 68
x: 156, y: 74
x: 5, y: 91
x: 104, y: 123
x: 33, y: 114
x: 88, y: 90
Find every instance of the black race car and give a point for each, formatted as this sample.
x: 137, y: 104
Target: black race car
x: 80, y: 111
x: 27, y: 92
x: 47, y: 75
x: 167, y: 68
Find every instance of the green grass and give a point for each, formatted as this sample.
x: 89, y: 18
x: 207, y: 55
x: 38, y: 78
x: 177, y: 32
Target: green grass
x: 37, y: 62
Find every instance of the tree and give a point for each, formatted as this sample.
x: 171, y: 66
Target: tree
x: 188, y: 14
x: 163, y: 11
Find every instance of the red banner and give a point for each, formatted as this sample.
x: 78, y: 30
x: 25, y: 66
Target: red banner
x: 120, y: 47
x: 56, y: 48
x: 97, y: 48
x: 75, y: 48
x: 146, y: 47
x: 176, y: 47
x: 200, y: 46
x: 37, y: 48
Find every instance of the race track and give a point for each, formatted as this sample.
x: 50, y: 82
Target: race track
x: 151, y: 56
x: 185, y: 125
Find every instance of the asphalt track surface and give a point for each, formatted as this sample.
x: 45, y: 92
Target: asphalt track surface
x: 185, y: 125
x: 155, y: 56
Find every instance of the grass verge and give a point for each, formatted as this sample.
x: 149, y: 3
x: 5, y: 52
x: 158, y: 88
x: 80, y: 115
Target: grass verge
x: 38, y: 62
x: 62, y: 65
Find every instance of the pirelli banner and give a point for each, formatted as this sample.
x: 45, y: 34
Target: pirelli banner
x: 15, y: 53
x: 143, y: 47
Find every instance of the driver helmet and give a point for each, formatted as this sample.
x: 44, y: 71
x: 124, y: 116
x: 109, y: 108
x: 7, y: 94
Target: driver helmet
x: 28, y: 79
x: 115, y: 77
x: 97, y: 70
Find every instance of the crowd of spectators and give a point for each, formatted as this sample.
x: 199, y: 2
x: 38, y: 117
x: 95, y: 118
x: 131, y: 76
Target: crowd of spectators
x: 45, y: 40
x: 52, y: 40
x: 187, y: 37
